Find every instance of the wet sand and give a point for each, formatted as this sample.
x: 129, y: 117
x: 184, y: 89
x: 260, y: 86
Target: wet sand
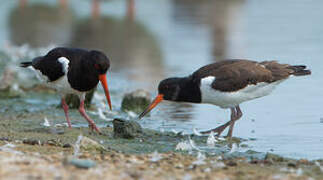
x: 44, y: 153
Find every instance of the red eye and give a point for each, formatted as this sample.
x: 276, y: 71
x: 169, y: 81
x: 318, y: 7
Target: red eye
x: 96, y: 66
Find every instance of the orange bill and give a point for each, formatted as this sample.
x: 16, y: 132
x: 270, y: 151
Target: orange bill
x: 103, y: 80
x: 156, y: 101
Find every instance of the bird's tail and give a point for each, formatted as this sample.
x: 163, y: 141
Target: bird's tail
x: 300, y: 70
x: 25, y: 64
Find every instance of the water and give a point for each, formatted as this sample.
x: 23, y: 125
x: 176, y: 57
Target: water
x: 158, y: 39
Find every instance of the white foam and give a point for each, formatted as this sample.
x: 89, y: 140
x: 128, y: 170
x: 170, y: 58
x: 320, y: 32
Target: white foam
x: 183, y: 146
x: 46, y: 122
x: 196, y: 132
x: 211, y: 140
x: 234, y: 148
x: 155, y: 156
x: 77, y: 145
x: 200, y: 159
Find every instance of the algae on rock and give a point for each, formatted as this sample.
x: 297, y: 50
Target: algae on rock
x: 136, y: 101
x: 126, y: 129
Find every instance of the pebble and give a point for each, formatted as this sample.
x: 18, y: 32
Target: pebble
x: 67, y: 146
x: 231, y: 163
x: 31, y: 142
x: 89, y: 144
x: 82, y: 163
x: 291, y: 164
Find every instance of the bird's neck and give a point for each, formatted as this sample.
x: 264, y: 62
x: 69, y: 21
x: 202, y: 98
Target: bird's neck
x: 189, y: 91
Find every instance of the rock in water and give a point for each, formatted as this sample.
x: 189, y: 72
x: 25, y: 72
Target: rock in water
x: 8, y: 89
x: 126, y: 129
x: 73, y: 101
x: 136, y: 101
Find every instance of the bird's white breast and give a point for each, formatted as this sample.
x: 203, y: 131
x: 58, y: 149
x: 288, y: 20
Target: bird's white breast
x: 232, y: 99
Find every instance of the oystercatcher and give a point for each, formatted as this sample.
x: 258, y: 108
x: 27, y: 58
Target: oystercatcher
x: 72, y: 71
x: 226, y: 84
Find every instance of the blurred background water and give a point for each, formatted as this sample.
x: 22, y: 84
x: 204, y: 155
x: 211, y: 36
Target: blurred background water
x: 148, y: 41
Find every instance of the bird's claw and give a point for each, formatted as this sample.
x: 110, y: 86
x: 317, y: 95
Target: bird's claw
x: 93, y: 127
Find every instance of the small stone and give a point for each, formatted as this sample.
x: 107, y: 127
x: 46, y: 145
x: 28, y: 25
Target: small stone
x: 304, y: 161
x: 136, y: 101
x: 254, y: 161
x: 274, y: 157
x: 4, y: 139
x: 291, y: 164
x: 31, y: 142
x: 81, y: 163
x: 232, y: 163
x: 67, y: 145
x: 321, y: 120
x: 243, y: 145
x: 89, y: 145
x: 54, y: 142
x: 126, y: 129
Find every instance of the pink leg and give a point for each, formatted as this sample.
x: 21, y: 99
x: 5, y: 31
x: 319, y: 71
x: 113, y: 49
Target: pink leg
x: 65, y: 107
x: 63, y: 3
x: 22, y: 3
x: 89, y: 120
x: 95, y: 8
x: 235, y: 115
x: 217, y: 130
x: 131, y: 9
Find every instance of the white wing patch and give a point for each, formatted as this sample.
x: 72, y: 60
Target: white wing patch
x: 61, y: 85
x: 64, y: 61
x: 232, y: 99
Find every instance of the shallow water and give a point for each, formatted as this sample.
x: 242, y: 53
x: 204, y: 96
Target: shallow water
x: 158, y: 39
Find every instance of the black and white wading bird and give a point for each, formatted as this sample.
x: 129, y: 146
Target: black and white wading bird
x: 227, y: 84
x: 72, y: 71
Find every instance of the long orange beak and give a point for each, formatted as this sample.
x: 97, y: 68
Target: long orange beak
x: 103, y: 80
x: 156, y: 101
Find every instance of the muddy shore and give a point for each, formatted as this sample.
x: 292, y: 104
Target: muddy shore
x: 28, y: 152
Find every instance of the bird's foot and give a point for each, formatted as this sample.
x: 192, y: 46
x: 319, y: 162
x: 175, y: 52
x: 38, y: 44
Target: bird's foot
x: 93, y: 127
x: 217, y: 130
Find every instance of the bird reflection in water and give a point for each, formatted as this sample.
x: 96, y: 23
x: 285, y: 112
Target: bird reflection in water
x: 130, y: 44
x: 40, y: 24
x: 219, y: 17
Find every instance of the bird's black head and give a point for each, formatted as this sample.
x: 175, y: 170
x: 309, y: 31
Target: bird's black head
x: 170, y: 88
x: 176, y: 89
x: 100, y: 61
x: 101, y: 64
x: 180, y: 89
